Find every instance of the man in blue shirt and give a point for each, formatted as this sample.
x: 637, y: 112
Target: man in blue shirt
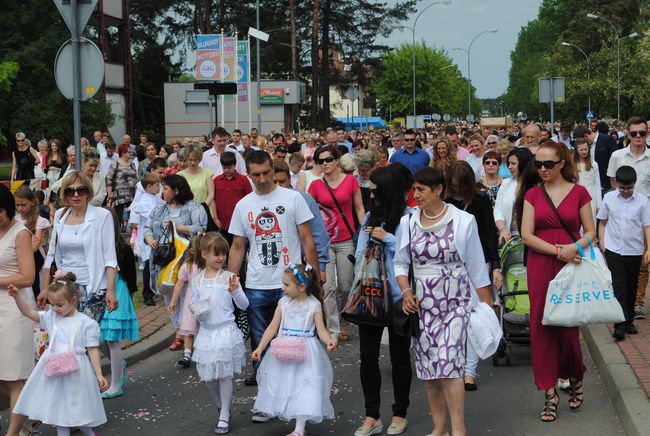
x: 409, y: 155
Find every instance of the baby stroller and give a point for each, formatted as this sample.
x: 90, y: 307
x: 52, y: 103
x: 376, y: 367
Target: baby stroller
x: 514, y: 308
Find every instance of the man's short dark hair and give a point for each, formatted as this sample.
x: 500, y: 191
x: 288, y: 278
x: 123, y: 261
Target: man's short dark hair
x: 258, y: 157
x: 566, y: 126
x: 625, y: 175
x: 236, y: 131
x: 158, y: 162
x: 219, y: 131
x: 278, y: 135
x: 280, y: 166
x: 451, y: 130
x: 280, y: 149
x: 581, y: 131
x: 228, y: 159
x: 409, y: 132
x: 636, y: 120
x: 602, y: 127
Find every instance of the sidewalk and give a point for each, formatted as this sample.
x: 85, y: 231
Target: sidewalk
x: 624, y: 368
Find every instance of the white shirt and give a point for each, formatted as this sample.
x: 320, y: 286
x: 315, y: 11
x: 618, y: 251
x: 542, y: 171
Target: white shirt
x: 211, y: 161
x: 626, y: 218
x: 566, y: 141
x: 641, y: 165
x: 270, y: 223
x: 294, y: 178
x: 105, y: 162
x: 477, y: 165
x: 505, y: 200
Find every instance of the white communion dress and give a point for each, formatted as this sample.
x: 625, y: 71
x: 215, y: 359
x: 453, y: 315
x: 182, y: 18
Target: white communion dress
x: 303, y: 389
x: 73, y: 399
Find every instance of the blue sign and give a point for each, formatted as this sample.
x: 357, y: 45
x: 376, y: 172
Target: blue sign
x: 426, y: 117
x: 591, y: 115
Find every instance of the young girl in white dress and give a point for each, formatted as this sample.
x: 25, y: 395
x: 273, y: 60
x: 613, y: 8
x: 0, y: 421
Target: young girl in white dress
x: 56, y: 392
x: 303, y: 390
x: 588, y: 174
x: 219, y: 349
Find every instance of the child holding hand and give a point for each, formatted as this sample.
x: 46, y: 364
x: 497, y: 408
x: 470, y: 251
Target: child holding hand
x: 64, y: 388
x: 219, y: 349
x: 302, y: 392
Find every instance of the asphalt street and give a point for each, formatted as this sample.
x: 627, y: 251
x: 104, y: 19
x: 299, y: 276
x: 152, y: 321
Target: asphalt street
x: 162, y: 399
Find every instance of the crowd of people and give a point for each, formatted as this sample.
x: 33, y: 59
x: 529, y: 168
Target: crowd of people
x: 275, y: 226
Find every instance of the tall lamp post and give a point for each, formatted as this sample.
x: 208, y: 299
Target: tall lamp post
x: 619, y: 38
x: 468, y: 51
x: 412, y: 29
x: 568, y: 44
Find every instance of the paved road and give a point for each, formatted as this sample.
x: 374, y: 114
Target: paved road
x: 164, y: 400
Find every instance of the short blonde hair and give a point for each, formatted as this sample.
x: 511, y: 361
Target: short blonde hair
x: 504, y: 146
x: 195, y: 150
x: 75, y: 177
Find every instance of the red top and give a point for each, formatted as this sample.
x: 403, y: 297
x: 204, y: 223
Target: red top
x: 344, y: 193
x: 227, y: 193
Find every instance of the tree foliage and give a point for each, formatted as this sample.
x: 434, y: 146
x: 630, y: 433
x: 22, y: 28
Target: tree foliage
x: 440, y: 88
x: 539, y: 53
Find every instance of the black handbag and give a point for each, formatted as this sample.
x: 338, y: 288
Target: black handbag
x: 407, y: 325
x: 166, y: 252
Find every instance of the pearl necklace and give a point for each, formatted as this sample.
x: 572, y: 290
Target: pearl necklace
x: 435, y: 217
x: 487, y: 185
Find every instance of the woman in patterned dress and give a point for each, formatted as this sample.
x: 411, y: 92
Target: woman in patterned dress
x: 448, y: 264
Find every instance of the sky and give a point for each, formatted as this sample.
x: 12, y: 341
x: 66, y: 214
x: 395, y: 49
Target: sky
x: 455, y: 25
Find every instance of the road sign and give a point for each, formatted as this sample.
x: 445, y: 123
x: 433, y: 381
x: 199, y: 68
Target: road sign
x: 85, y: 8
x: 591, y: 115
x: 470, y: 118
x: 352, y: 93
x: 262, y: 36
x: 426, y: 117
x: 446, y: 117
x: 551, y: 88
x: 92, y: 69
x: 436, y: 117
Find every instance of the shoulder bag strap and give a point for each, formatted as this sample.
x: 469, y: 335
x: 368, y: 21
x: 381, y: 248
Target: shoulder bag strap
x: 338, y: 206
x: 411, y: 271
x: 56, y: 233
x: 550, y: 203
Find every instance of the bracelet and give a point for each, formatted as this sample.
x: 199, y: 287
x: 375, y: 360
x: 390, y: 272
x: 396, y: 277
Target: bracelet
x: 557, y: 250
x: 407, y: 289
x: 588, y: 239
x: 496, y: 270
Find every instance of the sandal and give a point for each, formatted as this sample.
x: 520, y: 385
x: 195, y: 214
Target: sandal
x: 576, y: 394
x: 222, y: 429
x: 549, y: 413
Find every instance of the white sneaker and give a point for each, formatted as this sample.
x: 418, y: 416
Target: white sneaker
x: 141, y: 267
x: 260, y: 418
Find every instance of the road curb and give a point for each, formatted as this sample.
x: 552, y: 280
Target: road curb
x: 626, y: 394
x: 147, y: 347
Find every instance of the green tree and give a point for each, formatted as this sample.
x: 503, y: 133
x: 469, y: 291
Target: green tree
x: 439, y: 85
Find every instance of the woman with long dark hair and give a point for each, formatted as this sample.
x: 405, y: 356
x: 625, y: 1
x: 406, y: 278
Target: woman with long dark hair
x: 552, y: 210
x: 505, y: 215
x: 388, y: 190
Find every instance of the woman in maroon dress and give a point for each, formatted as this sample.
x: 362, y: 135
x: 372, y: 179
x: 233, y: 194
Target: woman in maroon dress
x: 555, y: 350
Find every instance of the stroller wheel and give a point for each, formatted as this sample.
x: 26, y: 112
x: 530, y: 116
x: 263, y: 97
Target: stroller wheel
x: 508, y: 360
x: 501, y: 351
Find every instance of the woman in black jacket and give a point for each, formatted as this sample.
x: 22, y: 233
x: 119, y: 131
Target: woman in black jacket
x: 463, y: 193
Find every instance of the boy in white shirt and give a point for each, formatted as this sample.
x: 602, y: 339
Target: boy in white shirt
x: 624, y: 221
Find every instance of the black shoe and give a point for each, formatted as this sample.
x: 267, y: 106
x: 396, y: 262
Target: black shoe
x: 185, y: 361
x: 251, y: 380
x: 630, y: 329
x: 149, y: 302
x: 619, y: 333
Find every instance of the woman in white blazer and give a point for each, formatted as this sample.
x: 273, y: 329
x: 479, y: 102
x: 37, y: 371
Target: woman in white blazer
x: 443, y: 246
x: 504, y: 217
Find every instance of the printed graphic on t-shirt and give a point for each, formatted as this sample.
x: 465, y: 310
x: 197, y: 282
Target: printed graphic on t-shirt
x: 267, y: 224
x: 331, y: 219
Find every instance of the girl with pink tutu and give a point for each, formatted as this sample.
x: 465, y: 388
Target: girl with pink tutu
x: 303, y: 391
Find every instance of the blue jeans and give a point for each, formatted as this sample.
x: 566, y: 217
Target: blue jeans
x: 261, y: 307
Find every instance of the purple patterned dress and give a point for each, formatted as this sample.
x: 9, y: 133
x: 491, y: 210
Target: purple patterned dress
x: 443, y: 289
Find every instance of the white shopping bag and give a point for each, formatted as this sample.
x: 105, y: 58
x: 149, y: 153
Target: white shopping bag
x: 582, y: 294
x: 484, y: 332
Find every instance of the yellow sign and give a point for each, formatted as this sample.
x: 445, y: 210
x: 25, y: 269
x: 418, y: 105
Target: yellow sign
x: 90, y: 89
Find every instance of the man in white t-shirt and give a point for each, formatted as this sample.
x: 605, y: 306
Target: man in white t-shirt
x: 275, y: 222
x: 211, y: 157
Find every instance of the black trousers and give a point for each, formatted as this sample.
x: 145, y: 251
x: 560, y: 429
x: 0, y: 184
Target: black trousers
x: 147, y: 293
x: 625, y: 274
x: 400, y: 357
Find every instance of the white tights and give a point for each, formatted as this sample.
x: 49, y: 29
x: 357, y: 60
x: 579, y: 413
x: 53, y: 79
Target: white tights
x: 112, y: 350
x: 221, y: 391
x: 65, y: 431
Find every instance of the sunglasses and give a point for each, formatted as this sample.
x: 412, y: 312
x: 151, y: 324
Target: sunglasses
x: 640, y: 133
x: 82, y: 190
x: 491, y: 143
x: 328, y: 159
x: 548, y: 164
x: 490, y: 162
x: 409, y: 139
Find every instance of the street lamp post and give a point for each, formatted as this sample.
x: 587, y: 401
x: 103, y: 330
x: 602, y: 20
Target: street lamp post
x: 619, y: 38
x: 468, y: 51
x: 446, y: 3
x: 568, y: 44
